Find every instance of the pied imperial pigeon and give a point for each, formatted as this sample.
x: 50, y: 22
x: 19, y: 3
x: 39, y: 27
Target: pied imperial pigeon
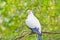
x: 33, y: 23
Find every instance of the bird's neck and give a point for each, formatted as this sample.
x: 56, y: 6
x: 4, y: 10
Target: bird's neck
x: 31, y: 14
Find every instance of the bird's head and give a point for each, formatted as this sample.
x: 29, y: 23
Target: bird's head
x: 29, y: 12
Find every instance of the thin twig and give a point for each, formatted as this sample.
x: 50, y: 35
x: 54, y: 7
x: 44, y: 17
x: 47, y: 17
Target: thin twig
x: 22, y: 37
x: 51, y: 32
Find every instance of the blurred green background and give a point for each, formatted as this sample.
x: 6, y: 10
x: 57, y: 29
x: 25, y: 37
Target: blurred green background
x: 13, y: 16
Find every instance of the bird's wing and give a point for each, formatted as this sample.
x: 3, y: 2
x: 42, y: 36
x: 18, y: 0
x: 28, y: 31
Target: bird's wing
x: 33, y: 22
x: 37, y: 24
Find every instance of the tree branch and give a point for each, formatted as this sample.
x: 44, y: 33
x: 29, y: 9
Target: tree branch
x: 29, y: 33
x: 51, y: 32
x: 25, y: 35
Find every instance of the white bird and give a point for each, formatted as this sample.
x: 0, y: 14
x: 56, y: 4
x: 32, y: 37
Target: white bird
x: 33, y: 23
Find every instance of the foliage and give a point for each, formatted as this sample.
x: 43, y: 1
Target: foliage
x: 13, y: 15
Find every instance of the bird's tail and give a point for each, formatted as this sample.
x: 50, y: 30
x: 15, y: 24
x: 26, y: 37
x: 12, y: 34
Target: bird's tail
x: 39, y: 36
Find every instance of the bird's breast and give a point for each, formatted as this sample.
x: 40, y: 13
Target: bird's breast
x: 30, y: 23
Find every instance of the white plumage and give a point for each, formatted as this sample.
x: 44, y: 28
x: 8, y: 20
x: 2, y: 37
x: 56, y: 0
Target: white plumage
x: 32, y: 21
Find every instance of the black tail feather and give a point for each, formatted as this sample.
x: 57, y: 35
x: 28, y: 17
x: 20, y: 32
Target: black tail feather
x: 39, y: 36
